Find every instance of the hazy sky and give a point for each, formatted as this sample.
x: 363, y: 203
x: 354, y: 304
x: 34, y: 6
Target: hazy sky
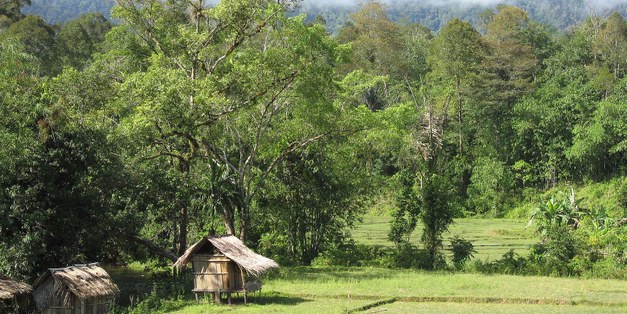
x: 446, y: 2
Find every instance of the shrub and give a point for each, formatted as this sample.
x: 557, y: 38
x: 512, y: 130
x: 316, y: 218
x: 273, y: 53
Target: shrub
x: 490, y: 182
x: 462, y: 251
x: 511, y: 263
x: 409, y: 256
x: 347, y: 254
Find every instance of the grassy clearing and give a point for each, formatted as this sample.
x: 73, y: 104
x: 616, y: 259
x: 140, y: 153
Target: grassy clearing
x: 284, y: 304
x: 377, y: 283
x: 338, y: 290
x: 492, y: 237
x: 448, y: 307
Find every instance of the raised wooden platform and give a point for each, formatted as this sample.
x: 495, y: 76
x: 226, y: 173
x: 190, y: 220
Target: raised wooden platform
x: 252, y: 286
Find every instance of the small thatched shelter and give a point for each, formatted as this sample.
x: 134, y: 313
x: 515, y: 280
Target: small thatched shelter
x: 78, y: 289
x: 223, y: 264
x: 14, y: 295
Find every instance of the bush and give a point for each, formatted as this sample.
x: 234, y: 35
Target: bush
x: 607, y: 269
x: 511, y: 263
x: 490, y: 183
x: 406, y: 255
x: 275, y: 246
x: 409, y: 256
x: 348, y: 254
x: 462, y: 251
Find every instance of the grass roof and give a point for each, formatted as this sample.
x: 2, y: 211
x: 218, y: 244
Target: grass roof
x: 85, y: 281
x: 234, y: 249
x: 10, y: 288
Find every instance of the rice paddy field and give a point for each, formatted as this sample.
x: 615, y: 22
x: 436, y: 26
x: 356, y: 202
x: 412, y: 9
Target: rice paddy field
x: 379, y: 290
x: 491, y: 237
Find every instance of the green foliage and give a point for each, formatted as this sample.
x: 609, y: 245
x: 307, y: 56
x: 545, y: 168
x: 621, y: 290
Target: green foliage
x: 491, y: 183
x: 12, y: 9
x: 574, y: 239
x: 463, y: 251
x: 38, y: 40
x: 405, y: 216
x: 310, y: 202
x: 600, y: 143
x: 190, y: 118
x: 79, y: 39
x: 559, y: 211
x: 436, y: 216
x: 350, y: 254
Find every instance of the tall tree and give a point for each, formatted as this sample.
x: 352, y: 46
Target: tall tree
x: 379, y: 48
x: 312, y: 199
x: 220, y: 80
x: 38, y: 38
x: 611, y: 44
x: 456, y: 54
x: 12, y: 9
x: 507, y: 74
x: 78, y: 39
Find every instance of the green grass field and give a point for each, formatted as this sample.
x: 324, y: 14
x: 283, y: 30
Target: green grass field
x: 491, y: 237
x: 379, y: 290
x: 341, y: 290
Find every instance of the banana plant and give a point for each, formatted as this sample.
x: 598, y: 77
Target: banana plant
x: 560, y: 210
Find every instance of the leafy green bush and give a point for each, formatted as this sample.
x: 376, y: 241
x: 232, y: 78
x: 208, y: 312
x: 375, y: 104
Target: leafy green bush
x: 409, y: 256
x: 490, y: 182
x: 462, y: 251
x: 349, y: 254
x: 511, y: 263
x: 575, y: 241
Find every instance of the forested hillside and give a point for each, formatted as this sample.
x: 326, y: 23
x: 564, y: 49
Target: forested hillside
x: 560, y: 14
x: 61, y: 11
x: 128, y: 142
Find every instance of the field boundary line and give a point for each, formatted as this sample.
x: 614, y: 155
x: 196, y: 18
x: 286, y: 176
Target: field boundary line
x: 454, y: 299
x: 372, y: 305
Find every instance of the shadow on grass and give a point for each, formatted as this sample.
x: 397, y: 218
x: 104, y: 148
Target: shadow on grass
x: 271, y: 299
x: 187, y: 302
x: 264, y: 298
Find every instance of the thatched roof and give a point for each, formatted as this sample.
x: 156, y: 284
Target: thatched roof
x: 10, y: 288
x: 84, y: 281
x: 234, y: 249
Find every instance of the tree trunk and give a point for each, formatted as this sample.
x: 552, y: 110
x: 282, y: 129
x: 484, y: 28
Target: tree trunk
x: 244, y: 222
x: 228, y: 219
x: 183, y: 231
x: 460, y: 117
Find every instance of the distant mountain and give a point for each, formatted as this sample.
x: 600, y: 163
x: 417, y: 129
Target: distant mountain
x: 61, y: 11
x: 434, y: 14
x: 560, y: 14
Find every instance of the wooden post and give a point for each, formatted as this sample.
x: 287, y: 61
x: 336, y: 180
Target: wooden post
x: 243, y: 273
x: 217, y: 296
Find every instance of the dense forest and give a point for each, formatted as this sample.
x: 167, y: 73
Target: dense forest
x: 124, y: 142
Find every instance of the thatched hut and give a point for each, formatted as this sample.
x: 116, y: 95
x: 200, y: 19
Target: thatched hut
x: 14, y: 295
x: 223, y: 264
x: 78, y: 289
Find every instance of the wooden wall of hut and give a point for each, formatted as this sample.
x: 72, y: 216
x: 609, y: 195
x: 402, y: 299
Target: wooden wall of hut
x: 216, y: 272
x: 75, y: 305
x: 20, y: 304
